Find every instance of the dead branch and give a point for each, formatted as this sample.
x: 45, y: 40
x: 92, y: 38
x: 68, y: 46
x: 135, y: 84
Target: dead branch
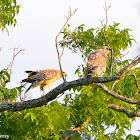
x: 11, y: 63
x: 70, y: 14
x: 135, y: 113
x: 9, y: 66
x: 14, y: 56
x: 62, y: 53
x: 17, y: 106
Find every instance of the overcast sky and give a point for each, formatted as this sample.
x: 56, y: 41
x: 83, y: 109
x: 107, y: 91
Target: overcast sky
x: 39, y: 21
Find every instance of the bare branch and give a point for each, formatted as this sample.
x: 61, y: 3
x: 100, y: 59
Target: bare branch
x: 56, y: 42
x: 62, y: 53
x: 136, y: 81
x: 14, y: 56
x: 104, y: 31
x: 17, y: 106
x: 129, y: 113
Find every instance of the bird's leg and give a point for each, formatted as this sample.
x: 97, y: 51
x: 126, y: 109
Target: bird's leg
x: 43, y: 92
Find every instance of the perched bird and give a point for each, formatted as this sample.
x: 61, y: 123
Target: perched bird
x: 43, y: 78
x: 97, y: 62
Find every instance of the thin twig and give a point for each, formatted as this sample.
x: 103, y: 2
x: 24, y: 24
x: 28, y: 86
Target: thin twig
x: 3, y: 92
x: 14, y: 55
x: 104, y: 27
x: 9, y: 66
x: 120, y: 80
x: 125, y: 54
x: 70, y: 14
x: 62, y: 53
x: 65, y: 38
x: 121, y: 87
x: 136, y: 82
x: 136, y: 57
x: 11, y: 63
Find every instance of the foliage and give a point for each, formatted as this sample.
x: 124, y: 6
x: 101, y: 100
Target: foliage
x: 8, y: 11
x: 47, y: 122
x: 5, y: 93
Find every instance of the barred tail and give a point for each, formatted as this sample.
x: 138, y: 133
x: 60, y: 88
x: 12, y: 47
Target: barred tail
x: 29, y: 88
x: 90, y: 74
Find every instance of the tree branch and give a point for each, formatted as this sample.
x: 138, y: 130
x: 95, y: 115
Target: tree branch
x: 56, y: 42
x: 129, y: 113
x: 14, y: 56
x: 116, y: 95
x: 127, y: 68
x: 17, y: 106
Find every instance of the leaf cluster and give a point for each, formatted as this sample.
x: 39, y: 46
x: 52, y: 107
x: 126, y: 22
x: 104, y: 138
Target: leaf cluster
x: 8, y: 11
x: 6, y: 93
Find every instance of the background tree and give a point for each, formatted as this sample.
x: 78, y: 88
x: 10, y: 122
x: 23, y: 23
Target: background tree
x: 89, y: 109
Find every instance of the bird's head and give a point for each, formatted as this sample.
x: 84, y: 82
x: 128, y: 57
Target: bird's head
x: 106, y: 49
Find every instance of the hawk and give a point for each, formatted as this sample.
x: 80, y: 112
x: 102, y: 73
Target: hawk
x: 97, y: 61
x: 43, y: 78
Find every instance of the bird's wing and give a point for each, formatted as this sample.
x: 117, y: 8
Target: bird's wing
x: 31, y: 73
x: 49, y: 73
x: 39, y: 76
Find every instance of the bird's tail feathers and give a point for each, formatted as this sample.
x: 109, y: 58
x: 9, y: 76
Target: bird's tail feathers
x: 28, y: 71
x: 28, y: 80
x: 91, y: 71
x: 29, y: 88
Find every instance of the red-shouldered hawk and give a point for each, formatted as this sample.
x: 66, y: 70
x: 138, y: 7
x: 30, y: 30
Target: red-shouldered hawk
x: 43, y: 78
x: 97, y: 61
